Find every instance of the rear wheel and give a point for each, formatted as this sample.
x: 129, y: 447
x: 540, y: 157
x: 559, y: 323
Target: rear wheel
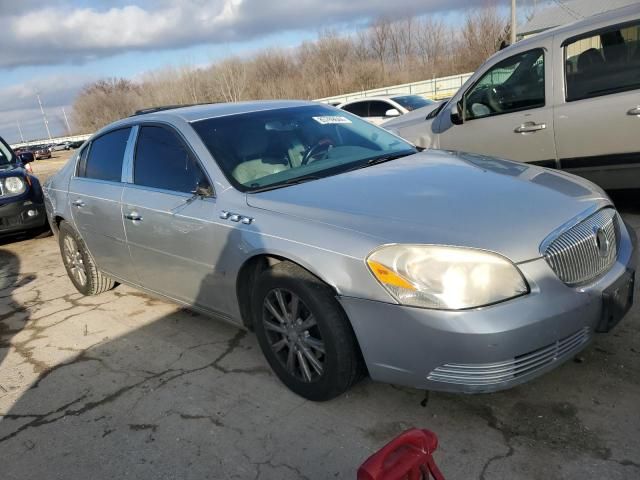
x: 80, y: 267
x: 304, y: 334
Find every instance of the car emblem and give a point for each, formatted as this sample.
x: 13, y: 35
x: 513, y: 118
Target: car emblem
x: 602, y: 242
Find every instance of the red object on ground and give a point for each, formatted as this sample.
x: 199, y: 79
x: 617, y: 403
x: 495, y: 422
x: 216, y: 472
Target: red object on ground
x: 408, y: 456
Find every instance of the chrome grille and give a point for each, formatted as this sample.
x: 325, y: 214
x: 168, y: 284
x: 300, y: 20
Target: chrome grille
x: 587, y: 250
x: 499, y: 372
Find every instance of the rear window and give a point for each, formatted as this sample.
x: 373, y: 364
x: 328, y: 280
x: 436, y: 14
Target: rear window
x: 603, y: 63
x: 105, y: 156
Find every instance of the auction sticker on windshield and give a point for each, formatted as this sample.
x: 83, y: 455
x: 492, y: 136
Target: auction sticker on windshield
x: 331, y: 119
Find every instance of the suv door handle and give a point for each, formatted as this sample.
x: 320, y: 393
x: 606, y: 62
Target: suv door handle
x: 635, y: 111
x: 133, y: 216
x: 529, y: 127
x: 78, y: 203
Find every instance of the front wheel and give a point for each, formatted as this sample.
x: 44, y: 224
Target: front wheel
x: 304, y: 334
x: 80, y: 267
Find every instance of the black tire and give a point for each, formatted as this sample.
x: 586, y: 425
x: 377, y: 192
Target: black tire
x: 80, y: 265
x: 339, y: 357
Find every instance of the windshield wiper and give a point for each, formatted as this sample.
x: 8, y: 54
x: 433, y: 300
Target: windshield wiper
x: 382, y: 159
x: 287, y: 183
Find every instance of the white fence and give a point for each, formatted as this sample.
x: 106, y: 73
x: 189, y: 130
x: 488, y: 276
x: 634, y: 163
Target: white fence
x: 435, y: 89
x: 56, y: 140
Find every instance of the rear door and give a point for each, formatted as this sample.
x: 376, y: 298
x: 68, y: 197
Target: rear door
x: 171, y: 233
x: 597, y: 114
x: 95, y: 192
x: 508, y: 111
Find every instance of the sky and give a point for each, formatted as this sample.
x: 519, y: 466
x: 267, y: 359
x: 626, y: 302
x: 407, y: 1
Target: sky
x: 55, y: 47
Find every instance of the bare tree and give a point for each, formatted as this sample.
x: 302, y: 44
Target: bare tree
x: 384, y: 53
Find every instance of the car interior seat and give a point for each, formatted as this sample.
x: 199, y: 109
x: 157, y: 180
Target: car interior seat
x: 252, y: 148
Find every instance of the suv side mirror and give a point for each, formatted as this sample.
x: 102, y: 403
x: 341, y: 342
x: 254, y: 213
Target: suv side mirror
x: 457, y: 113
x: 392, y: 112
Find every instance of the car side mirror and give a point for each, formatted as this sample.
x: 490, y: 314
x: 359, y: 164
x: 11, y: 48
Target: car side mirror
x: 456, y: 113
x: 203, y: 190
x: 392, y: 112
x: 24, y: 159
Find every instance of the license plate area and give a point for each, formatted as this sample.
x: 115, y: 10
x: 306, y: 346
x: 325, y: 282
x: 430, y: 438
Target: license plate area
x: 617, y: 301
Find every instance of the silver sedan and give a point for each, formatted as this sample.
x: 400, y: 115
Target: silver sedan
x: 348, y: 252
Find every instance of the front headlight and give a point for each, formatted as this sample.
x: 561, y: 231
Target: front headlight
x: 446, y: 278
x: 14, y: 185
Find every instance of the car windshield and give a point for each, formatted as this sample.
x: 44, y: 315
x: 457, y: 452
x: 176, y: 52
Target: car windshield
x: 274, y: 148
x: 7, y: 158
x: 411, y: 102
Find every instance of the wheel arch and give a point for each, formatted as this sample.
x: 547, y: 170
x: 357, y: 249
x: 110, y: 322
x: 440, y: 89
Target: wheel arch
x: 251, y: 269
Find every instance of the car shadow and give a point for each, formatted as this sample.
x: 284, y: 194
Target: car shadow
x: 13, y: 315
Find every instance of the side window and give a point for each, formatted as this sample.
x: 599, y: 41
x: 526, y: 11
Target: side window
x: 104, y: 158
x: 603, y: 63
x: 163, y: 161
x: 516, y: 83
x: 378, y: 109
x: 360, y: 109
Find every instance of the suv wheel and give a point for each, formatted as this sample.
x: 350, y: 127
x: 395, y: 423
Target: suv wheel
x: 304, y: 334
x: 80, y: 266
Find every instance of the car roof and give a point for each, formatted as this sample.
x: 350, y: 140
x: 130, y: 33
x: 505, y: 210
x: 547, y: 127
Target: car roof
x: 377, y: 97
x: 610, y: 16
x: 213, y: 110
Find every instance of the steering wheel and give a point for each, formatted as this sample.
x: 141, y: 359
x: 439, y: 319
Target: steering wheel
x: 313, y: 152
x: 496, y: 98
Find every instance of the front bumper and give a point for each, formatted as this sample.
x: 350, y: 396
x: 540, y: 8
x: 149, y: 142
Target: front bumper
x: 21, y: 214
x: 485, y: 349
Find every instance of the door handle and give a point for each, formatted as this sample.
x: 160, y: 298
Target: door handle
x: 635, y: 111
x: 133, y: 216
x: 530, y: 127
x: 78, y: 203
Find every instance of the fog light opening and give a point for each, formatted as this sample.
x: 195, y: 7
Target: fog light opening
x: 32, y: 213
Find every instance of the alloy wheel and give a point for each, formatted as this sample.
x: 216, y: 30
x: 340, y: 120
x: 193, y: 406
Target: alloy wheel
x: 293, y: 334
x: 74, y: 261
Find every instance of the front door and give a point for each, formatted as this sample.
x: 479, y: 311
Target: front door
x: 597, y: 118
x: 95, y: 192
x: 170, y: 231
x: 507, y: 112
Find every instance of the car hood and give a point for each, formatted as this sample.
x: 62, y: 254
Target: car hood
x: 410, y: 118
x: 444, y: 198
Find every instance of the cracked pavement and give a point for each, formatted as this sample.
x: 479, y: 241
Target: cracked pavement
x: 126, y: 386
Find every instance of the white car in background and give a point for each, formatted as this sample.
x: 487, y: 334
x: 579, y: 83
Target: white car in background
x: 377, y: 110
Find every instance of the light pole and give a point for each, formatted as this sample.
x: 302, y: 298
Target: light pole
x: 20, y: 130
x: 66, y: 121
x: 513, y: 22
x: 44, y: 117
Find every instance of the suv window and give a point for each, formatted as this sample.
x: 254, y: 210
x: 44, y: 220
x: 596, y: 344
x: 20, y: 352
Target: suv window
x: 514, y: 84
x: 360, y: 109
x: 378, y: 108
x: 163, y: 161
x: 603, y: 63
x: 104, y: 160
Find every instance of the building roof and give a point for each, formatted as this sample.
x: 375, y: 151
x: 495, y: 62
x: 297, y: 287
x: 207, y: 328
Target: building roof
x: 568, y: 11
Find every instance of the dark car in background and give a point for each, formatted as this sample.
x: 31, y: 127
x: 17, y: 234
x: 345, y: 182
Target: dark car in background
x: 21, y: 201
x: 41, y: 151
